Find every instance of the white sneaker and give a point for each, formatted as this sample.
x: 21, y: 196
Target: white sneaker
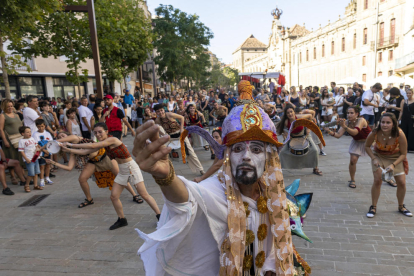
x: 322, y: 153
x: 42, y: 183
x: 48, y: 181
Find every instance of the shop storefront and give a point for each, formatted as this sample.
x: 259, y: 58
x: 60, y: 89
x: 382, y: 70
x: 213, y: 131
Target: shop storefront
x: 20, y: 87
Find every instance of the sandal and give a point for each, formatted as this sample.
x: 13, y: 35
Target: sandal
x: 372, y: 211
x: 351, y: 184
x: 317, y: 172
x: 206, y: 148
x: 403, y: 210
x: 27, y: 189
x: 137, y: 199
x: 37, y: 188
x: 86, y: 203
x: 392, y: 183
x: 14, y: 181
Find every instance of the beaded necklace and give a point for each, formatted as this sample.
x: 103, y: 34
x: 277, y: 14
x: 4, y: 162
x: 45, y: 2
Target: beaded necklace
x: 261, y: 236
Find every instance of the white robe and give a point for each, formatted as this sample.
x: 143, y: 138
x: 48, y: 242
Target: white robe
x: 189, y: 235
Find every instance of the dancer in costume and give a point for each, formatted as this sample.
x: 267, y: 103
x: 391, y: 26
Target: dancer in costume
x: 173, y: 128
x: 90, y: 162
x: 217, y: 163
x: 407, y: 122
x: 359, y: 129
x: 388, y: 156
x: 193, y: 117
x: 128, y: 171
x: 222, y: 225
x: 300, y: 150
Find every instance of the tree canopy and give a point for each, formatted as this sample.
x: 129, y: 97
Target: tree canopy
x: 17, y: 20
x: 181, y: 42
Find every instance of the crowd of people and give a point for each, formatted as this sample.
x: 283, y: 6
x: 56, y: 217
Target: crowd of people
x: 241, y: 132
x: 26, y: 126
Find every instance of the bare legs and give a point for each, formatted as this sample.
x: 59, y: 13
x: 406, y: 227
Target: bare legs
x: 376, y: 187
x: 17, y: 168
x: 86, y: 173
x: 352, y: 166
x: 115, y: 194
x: 147, y: 197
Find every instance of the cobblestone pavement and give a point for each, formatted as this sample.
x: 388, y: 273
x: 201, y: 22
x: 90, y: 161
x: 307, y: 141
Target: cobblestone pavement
x: 57, y: 238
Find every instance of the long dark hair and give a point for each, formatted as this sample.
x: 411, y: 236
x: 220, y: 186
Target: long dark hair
x: 395, y: 131
x: 323, y: 93
x: 356, y: 109
x: 281, y: 124
x: 95, y: 114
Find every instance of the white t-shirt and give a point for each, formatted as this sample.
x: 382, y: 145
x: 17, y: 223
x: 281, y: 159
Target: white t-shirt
x: 29, y: 118
x: 384, y: 102
x: 339, y: 100
x: 404, y: 94
x: 87, y: 113
x: 46, y: 135
x: 367, y: 109
x: 28, y: 146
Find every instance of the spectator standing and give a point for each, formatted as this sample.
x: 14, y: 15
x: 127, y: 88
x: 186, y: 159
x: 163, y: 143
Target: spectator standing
x: 271, y: 85
x: 403, y: 92
x: 19, y: 106
x: 339, y: 102
x: 42, y: 137
x: 59, y: 102
x: 92, y: 99
x: 72, y: 125
x: 85, y: 115
x: 48, y: 118
x: 28, y: 147
x: 68, y: 105
x: 31, y: 113
x: 368, y: 105
x: 128, y: 98
x: 113, y: 117
x: 222, y: 94
x: 9, y: 129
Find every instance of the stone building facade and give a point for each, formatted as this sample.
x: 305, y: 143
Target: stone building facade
x: 364, y: 43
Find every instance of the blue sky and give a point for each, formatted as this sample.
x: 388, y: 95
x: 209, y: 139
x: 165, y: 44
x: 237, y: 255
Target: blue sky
x: 233, y: 21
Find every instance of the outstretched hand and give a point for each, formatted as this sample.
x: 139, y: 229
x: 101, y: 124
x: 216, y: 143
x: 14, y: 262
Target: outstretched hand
x: 152, y: 157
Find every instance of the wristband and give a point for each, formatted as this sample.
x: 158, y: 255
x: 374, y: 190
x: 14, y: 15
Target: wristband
x: 169, y: 179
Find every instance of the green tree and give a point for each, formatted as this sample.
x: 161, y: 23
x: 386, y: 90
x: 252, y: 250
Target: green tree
x: 232, y: 75
x: 17, y: 20
x: 61, y: 34
x: 181, y: 43
x: 125, y: 37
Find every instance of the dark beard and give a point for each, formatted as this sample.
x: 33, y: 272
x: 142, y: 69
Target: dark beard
x: 242, y: 178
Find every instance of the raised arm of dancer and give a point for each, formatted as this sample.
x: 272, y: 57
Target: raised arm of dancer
x: 70, y: 139
x: 215, y: 167
x: 79, y: 151
x: 153, y: 158
x: 106, y: 143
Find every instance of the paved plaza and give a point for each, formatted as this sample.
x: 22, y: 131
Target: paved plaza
x: 57, y: 238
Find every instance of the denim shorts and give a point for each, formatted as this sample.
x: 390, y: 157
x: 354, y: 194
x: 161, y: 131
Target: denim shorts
x: 42, y: 160
x: 370, y: 118
x: 33, y: 168
x: 139, y: 121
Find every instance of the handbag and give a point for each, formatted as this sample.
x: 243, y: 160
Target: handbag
x: 15, y: 139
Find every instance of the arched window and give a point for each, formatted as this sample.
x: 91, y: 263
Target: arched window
x: 365, y: 4
x: 307, y: 55
x: 343, y: 44
x: 333, y: 48
x: 381, y: 34
x: 323, y: 50
x: 314, y: 53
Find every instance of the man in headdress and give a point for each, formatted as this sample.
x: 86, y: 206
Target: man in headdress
x: 235, y: 223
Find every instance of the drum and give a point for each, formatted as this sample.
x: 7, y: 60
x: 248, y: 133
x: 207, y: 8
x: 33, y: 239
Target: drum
x: 53, y: 147
x: 298, y: 146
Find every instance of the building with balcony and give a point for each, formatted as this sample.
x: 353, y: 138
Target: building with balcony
x: 361, y: 43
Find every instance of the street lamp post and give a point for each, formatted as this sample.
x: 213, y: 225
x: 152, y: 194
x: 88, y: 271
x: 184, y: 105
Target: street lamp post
x: 89, y: 8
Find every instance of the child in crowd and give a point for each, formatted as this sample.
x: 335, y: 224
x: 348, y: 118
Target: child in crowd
x: 28, y: 147
x: 42, y: 137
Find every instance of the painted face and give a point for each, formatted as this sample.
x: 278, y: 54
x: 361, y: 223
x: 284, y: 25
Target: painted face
x: 248, y: 161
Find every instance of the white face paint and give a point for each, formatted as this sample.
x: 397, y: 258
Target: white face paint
x: 248, y: 161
